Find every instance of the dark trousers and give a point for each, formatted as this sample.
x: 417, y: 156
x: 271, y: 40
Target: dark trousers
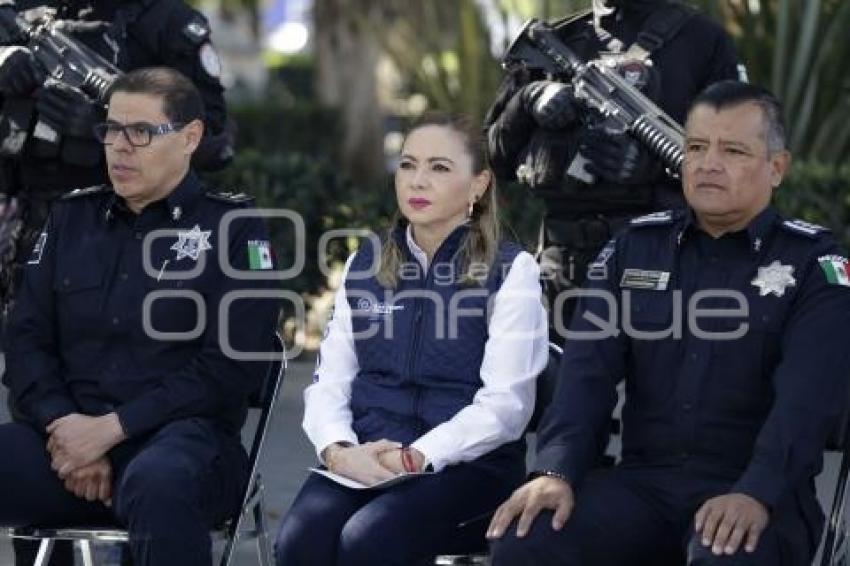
x: 331, y: 525
x: 645, y: 517
x: 169, y: 489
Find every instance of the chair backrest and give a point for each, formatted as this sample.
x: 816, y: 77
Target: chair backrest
x: 546, y: 383
x: 839, y: 439
x: 264, y: 400
x: 835, y: 536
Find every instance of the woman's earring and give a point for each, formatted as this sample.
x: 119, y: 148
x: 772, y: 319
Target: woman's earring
x: 471, y: 208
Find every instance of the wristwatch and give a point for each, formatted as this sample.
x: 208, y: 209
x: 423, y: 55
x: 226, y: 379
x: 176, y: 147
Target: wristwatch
x: 548, y: 474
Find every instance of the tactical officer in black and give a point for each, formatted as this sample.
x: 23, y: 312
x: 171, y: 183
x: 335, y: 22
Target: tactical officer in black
x: 129, y: 34
x: 126, y: 344
x: 590, y: 179
x: 724, y: 321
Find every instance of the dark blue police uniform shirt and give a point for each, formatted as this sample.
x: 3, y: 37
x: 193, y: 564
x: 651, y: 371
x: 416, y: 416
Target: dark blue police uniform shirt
x: 129, y: 313
x: 757, y: 408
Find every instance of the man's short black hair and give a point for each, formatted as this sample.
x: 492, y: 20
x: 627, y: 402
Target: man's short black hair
x: 181, y: 101
x: 725, y: 94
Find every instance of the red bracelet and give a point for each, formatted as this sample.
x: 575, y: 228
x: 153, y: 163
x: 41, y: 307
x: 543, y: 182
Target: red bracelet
x: 407, y: 460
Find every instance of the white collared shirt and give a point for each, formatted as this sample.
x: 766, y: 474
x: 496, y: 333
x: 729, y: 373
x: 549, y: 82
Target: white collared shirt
x: 516, y: 352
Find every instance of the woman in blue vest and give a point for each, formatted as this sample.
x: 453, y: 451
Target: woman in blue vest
x: 428, y: 365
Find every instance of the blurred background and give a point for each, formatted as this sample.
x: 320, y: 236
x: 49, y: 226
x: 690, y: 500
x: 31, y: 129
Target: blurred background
x: 321, y: 89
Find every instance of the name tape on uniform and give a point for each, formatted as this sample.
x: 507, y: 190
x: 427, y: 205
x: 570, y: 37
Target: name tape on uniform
x: 645, y: 279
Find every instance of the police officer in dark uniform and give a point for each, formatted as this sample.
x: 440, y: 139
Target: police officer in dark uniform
x: 123, y: 347
x: 722, y: 321
x: 130, y: 34
x: 591, y: 179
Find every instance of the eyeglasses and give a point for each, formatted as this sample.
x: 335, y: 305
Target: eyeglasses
x: 137, y: 134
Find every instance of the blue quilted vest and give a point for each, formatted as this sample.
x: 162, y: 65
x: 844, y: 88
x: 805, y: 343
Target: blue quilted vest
x: 420, y: 346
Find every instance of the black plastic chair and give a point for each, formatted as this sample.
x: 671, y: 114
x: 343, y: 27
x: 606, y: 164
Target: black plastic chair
x: 231, y: 532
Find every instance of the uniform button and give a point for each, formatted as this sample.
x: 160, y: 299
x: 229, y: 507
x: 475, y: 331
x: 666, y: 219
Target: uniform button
x: 66, y: 282
x: 138, y: 235
x: 687, y: 406
x: 685, y: 454
x: 694, y: 356
x: 713, y: 259
x: 115, y: 321
x: 113, y: 367
x: 123, y: 276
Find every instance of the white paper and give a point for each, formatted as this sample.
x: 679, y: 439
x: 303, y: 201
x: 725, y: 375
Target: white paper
x: 354, y: 484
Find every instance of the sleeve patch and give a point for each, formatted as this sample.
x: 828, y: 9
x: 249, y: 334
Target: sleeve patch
x: 605, y: 254
x: 836, y: 269
x: 197, y: 31
x: 259, y: 255
x: 38, y: 249
x: 210, y: 62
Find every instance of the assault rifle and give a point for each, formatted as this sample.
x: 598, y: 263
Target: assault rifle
x: 66, y: 59
x: 63, y: 58
x: 600, y: 88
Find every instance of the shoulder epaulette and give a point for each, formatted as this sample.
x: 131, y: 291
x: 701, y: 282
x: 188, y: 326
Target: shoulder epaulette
x: 230, y: 197
x: 93, y: 190
x: 804, y: 228
x: 654, y: 219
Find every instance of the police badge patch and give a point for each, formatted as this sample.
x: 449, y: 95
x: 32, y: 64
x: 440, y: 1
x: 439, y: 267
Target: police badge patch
x: 774, y: 278
x: 190, y: 243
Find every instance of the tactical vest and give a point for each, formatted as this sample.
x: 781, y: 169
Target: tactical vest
x: 575, y: 198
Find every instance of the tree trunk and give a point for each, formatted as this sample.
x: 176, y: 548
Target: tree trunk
x: 346, y: 58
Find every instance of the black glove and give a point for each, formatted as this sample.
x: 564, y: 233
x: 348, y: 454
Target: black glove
x: 20, y: 73
x: 550, y: 103
x: 544, y: 160
x: 9, y: 31
x: 617, y: 158
x: 69, y: 110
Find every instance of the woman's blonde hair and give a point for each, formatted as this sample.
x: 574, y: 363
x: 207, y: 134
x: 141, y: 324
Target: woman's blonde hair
x: 482, y: 243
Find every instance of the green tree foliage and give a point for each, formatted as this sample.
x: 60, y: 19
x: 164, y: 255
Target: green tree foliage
x: 799, y: 50
x: 442, y: 51
x: 818, y: 193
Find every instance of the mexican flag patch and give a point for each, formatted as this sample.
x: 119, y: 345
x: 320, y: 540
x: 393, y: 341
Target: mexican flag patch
x: 836, y: 269
x: 259, y: 255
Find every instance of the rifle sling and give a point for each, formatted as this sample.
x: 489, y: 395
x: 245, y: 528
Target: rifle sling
x: 660, y: 27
